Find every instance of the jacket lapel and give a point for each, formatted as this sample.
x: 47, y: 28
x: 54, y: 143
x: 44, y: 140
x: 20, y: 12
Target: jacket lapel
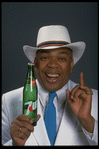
x: 68, y: 124
x: 39, y: 136
x: 40, y: 130
x: 67, y: 128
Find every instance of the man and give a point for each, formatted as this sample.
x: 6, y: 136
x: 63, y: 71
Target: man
x: 74, y: 109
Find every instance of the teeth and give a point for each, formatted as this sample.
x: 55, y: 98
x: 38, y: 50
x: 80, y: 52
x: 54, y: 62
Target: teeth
x: 53, y: 75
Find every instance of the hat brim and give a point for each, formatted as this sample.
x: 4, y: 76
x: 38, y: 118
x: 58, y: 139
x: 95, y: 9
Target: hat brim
x: 78, y: 49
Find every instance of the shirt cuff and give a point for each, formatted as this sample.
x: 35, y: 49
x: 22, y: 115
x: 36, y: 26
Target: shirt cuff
x: 9, y: 143
x: 89, y: 135
x: 92, y: 137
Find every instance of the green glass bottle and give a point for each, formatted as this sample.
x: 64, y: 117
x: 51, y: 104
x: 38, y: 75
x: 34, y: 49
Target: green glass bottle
x: 30, y: 95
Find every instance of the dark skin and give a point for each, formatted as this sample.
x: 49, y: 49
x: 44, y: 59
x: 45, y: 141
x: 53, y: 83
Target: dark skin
x: 19, y: 137
x: 53, y: 68
x: 54, y: 62
x: 60, y: 61
x: 80, y: 103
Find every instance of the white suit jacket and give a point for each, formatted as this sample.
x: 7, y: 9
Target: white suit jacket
x: 70, y: 131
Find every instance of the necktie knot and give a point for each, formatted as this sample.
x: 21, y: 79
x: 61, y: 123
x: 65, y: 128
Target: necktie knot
x: 52, y: 96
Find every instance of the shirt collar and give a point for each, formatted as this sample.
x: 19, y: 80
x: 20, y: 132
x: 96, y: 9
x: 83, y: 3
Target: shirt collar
x: 44, y: 95
x: 61, y: 94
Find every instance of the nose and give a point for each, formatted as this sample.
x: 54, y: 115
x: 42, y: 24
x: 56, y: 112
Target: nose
x: 52, y: 63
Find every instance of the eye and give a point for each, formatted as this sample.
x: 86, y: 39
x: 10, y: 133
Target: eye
x: 44, y: 58
x: 62, y: 59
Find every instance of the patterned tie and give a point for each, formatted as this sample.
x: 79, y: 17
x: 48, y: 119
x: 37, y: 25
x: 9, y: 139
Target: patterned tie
x: 50, y: 118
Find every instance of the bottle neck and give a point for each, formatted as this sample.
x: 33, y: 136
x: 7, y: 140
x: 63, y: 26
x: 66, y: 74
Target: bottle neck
x: 30, y: 74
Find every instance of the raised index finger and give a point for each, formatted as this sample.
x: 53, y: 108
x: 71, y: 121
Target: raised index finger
x: 81, y: 80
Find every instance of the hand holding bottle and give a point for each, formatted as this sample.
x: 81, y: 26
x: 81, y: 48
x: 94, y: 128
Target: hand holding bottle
x: 21, y: 129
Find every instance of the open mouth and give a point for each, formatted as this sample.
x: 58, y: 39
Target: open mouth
x: 52, y: 78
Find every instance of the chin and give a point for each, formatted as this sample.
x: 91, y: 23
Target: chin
x: 52, y: 87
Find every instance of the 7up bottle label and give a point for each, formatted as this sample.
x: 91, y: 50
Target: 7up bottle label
x: 32, y: 106
x: 30, y: 95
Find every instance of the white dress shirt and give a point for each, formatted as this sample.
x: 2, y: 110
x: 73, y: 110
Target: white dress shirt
x: 59, y: 103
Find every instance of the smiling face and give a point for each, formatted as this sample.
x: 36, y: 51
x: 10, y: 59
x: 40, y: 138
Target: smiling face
x: 53, y: 68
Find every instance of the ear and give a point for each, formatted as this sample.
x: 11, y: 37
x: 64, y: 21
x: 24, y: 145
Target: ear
x: 36, y: 62
x: 72, y: 64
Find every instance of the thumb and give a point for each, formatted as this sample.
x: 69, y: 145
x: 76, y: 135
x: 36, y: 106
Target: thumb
x: 68, y: 95
x: 38, y: 117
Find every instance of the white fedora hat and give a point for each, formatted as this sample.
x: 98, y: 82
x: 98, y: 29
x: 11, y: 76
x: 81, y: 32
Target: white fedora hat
x: 52, y: 37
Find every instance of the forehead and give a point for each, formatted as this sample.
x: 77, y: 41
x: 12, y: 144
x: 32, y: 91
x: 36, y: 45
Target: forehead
x: 65, y: 50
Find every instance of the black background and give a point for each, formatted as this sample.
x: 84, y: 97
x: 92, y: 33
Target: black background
x: 20, y: 24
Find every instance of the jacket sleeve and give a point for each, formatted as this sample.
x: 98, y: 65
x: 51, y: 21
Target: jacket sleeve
x: 6, y: 138
x: 93, y: 138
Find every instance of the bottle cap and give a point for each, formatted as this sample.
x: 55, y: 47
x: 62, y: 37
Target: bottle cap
x: 31, y: 64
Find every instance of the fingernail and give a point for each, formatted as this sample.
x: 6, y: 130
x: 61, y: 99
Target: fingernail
x: 38, y: 117
x: 72, y: 97
x: 83, y: 75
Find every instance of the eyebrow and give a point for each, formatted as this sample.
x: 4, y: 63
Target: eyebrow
x: 63, y: 52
